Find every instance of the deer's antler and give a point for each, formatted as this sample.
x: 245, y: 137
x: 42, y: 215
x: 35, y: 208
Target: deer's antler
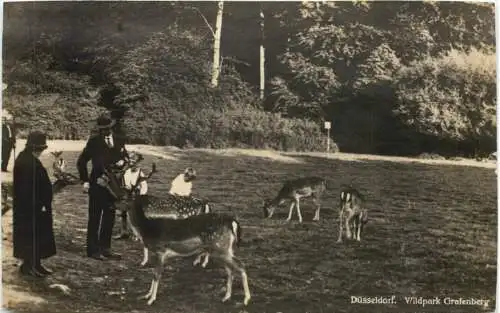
x: 141, y: 179
x: 56, y: 153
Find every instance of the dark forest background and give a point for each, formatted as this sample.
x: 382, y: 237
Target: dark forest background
x: 393, y: 77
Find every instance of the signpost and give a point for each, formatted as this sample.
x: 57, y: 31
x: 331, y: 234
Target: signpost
x: 328, y: 125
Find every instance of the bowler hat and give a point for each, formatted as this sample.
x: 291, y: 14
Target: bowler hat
x: 37, y: 140
x: 105, y: 122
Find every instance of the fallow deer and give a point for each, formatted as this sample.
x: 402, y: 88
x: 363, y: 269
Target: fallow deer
x: 353, y: 215
x: 59, y: 164
x: 171, y: 206
x: 63, y: 178
x: 294, y: 190
x: 211, y: 234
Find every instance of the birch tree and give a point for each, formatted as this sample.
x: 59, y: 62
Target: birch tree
x: 218, y: 32
x: 262, y: 63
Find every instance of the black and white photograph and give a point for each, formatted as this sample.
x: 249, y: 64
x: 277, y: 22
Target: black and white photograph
x: 249, y: 157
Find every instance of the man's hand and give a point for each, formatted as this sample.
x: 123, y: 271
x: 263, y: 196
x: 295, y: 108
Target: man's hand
x: 120, y: 163
x: 86, y: 186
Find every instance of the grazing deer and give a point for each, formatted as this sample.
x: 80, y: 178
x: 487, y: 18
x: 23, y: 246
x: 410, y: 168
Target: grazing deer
x: 352, y: 213
x: 206, y: 234
x: 294, y: 190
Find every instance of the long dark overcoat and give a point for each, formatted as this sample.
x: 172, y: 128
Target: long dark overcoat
x: 32, y: 209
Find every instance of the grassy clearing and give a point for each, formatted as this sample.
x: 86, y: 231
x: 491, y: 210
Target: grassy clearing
x: 432, y: 232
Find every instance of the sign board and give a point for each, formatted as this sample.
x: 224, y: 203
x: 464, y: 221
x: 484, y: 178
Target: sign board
x: 328, y: 125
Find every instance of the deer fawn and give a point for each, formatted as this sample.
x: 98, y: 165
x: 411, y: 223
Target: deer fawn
x: 63, y: 178
x: 294, y: 190
x: 59, y: 164
x: 352, y: 213
x: 211, y: 234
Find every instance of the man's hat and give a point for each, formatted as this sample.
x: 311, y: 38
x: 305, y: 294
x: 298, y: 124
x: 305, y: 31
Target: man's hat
x: 37, y: 140
x: 104, y: 122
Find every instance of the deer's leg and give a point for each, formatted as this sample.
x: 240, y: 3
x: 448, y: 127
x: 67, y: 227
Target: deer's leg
x: 233, y: 264
x: 348, y: 225
x: 298, y: 211
x: 229, y: 284
x: 156, y: 281
x: 290, y: 212
x: 204, y: 264
x: 150, y: 292
x: 145, y: 257
x: 123, y: 226
x: 341, y: 224
x: 198, y: 259
x: 358, y: 237
x: 318, y: 207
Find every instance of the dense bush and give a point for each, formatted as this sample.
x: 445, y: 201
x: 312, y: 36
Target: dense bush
x: 222, y: 129
x: 452, y: 98
x: 57, y: 115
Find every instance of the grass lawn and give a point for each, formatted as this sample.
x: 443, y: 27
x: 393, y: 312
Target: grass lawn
x: 432, y: 232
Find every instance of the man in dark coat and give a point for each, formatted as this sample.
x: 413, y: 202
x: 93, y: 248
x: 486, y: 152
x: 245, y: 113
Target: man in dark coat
x: 106, y: 151
x: 32, y: 208
x: 8, y: 139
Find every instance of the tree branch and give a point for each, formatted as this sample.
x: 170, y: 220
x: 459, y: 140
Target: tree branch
x: 206, y: 21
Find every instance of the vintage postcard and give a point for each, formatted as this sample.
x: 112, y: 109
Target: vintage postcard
x: 256, y: 157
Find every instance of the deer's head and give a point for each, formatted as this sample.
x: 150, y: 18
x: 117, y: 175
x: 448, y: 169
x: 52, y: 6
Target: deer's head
x: 59, y: 164
x: 268, y: 207
x: 136, y: 187
x: 124, y: 203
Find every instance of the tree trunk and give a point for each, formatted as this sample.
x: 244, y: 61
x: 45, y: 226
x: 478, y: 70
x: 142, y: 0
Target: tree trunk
x: 216, y: 59
x: 262, y: 56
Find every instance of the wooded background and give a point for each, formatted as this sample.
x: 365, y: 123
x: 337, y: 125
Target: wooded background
x: 393, y: 77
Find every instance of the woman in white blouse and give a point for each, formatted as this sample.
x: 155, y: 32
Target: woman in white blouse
x: 182, y: 185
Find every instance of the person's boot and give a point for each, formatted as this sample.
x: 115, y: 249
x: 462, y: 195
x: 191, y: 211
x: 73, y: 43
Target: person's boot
x: 41, y: 269
x: 27, y: 269
x: 111, y: 255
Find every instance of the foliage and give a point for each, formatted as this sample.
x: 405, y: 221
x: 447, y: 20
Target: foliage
x: 59, y: 116
x: 451, y: 97
x: 333, y: 61
x: 222, y: 129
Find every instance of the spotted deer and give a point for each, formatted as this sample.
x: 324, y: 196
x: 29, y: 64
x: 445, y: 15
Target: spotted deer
x: 206, y: 234
x: 170, y: 206
x: 353, y: 216
x: 294, y: 190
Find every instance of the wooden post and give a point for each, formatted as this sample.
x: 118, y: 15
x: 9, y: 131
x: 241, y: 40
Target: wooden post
x: 328, y: 125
